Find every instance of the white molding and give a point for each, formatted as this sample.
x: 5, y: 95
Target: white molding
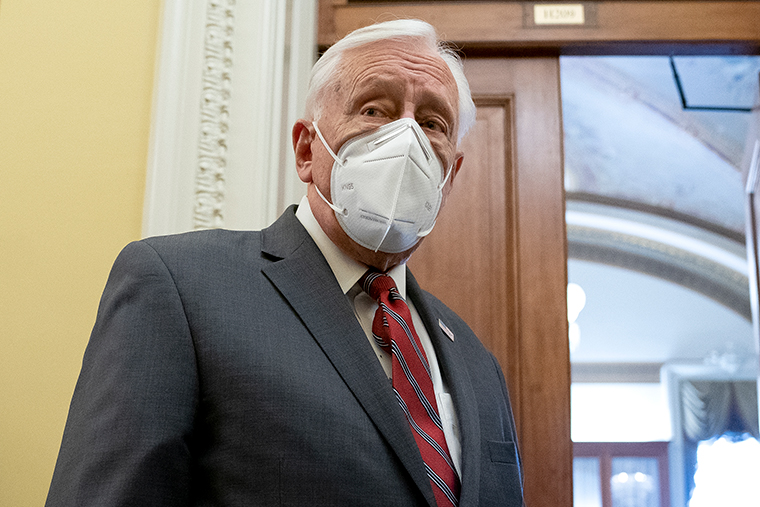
x: 691, y: 244
x: 169, y: 189
x: 303, y: 49
x: 208, y: 210
x: 261, y: 176
x: 230, y: 81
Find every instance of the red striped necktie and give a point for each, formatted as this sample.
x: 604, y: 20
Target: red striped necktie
x: 392, y: 328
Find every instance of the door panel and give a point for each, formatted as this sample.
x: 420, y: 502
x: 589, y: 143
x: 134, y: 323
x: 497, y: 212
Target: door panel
x: 465, y: 261
x: 501, y: 243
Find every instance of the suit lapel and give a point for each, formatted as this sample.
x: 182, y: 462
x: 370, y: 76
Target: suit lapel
x: 305, y: 279
x: 460, y: 387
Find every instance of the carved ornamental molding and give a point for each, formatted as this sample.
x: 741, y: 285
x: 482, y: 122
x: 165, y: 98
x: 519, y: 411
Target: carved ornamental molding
x: 208, y: 210
x: 216, y: 159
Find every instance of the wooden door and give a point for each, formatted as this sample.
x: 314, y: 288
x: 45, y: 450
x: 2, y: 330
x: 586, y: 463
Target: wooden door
x: 498, y: 256
x: 506, y: 214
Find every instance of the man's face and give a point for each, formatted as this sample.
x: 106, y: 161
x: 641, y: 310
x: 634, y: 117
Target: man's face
x: 380, y: 83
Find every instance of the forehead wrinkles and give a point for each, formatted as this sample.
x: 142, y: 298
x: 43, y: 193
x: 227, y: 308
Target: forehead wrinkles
x: 392, y: 62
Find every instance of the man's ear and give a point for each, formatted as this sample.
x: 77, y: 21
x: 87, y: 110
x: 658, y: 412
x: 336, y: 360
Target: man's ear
x: 303, y: 136
x: 459, y: 158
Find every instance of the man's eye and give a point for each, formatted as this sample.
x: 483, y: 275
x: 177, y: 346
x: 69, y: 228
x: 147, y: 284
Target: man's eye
x: 371, y: 111
x: 433, y: 125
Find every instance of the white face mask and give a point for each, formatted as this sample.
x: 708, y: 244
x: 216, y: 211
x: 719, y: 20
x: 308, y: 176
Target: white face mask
x: 386, y: 186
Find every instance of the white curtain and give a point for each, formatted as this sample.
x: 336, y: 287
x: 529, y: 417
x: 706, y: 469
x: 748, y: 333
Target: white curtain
x: 712, y: 408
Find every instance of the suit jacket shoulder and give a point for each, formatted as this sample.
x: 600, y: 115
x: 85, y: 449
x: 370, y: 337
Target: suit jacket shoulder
x: 227, y: 368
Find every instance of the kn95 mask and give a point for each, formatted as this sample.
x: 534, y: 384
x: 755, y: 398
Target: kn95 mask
x: 386, y: 186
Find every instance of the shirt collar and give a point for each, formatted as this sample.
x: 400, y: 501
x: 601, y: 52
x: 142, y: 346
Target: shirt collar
x: 346, y: 269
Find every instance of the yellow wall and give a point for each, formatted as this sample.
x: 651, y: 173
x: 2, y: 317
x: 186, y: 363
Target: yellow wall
x: 76, y: 80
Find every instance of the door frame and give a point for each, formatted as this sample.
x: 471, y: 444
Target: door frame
x: 498, y: 29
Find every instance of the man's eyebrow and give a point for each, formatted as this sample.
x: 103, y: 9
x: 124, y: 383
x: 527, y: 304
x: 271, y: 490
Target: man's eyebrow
x: 372, y: 88
x: 438, y: 102
x: 365, y: 89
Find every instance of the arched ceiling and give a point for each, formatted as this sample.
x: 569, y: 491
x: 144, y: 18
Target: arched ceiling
x: 627, y: 137
x: 655, y: 207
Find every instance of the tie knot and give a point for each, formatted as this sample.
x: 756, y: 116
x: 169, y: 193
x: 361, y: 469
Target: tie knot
x: 376, y: 284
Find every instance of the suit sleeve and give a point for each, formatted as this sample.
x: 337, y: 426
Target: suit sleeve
x: 128, y: 436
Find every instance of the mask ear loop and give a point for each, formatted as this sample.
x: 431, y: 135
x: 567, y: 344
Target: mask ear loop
x: 343, y: 211
x: 324, y: 143
x: 448, y: 173
x: 422, y: 234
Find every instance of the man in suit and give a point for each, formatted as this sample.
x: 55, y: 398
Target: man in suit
x: 239, y: 368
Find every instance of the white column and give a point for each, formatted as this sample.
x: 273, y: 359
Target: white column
x: 230, y: 81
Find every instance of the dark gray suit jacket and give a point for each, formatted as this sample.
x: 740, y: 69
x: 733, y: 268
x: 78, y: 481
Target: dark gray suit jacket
x: 227, y: 368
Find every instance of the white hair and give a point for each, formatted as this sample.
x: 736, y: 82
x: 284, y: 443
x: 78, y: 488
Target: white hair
x: 327, y: 69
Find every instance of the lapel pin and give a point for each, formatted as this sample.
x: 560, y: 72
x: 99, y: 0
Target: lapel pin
x: 446, y: 330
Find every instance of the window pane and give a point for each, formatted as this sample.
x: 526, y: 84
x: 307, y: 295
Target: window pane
x: 587, y: 486
x: 727, y: 473
x: 635, y: 482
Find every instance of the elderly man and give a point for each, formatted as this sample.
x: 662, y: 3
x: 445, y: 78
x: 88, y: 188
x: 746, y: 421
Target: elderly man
x: 302, y: 364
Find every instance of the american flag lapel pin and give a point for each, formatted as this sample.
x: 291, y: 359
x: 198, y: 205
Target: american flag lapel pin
x: 446, y: 330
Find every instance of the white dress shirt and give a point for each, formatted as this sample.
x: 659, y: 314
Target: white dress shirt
x: 348, y: 271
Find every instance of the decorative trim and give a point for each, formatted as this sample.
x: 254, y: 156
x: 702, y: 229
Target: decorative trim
x: 170, y: 175
x: 680, y: 253
x: 217, y: 158
x: 616, y: 372
x: 208, y: 210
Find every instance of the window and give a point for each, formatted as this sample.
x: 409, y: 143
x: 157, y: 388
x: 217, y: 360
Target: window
x: 620, y: 474
x: 727, y: 472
